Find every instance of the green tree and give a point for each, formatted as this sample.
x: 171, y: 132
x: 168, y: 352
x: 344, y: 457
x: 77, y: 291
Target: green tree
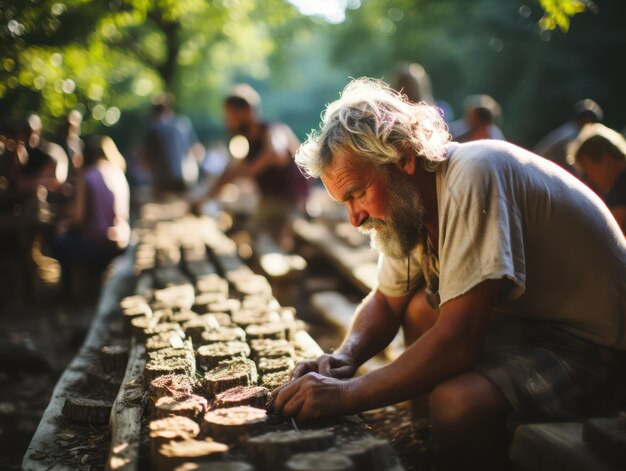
x: 105, y: 57
x: 494, y: 47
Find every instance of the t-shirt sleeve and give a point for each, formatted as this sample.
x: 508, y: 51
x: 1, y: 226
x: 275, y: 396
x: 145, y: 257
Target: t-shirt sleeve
x: 481, y: 235
x: 392, y: 276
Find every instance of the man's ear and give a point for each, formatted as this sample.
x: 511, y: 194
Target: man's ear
x: 408, y: 162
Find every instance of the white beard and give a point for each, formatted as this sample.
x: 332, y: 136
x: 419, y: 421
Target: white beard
x: 397, y: 236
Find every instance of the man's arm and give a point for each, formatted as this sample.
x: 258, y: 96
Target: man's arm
x: 280, y: 145
x: 376, y: 322
x: 279, y: 141
x: 451, y: 347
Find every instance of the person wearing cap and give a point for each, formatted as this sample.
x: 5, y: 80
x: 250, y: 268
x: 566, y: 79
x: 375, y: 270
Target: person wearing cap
x: 600, y: 154
x: 413, y: 81
x: 481, y: 114
x: 266, y: 156
x: 506, y: 273
x: 554, y: 145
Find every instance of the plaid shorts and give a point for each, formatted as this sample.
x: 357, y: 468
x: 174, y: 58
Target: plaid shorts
x: 548, y: 374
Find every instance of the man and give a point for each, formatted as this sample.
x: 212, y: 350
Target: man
x: 524, y: 266
x: 554, y: 146
x: 172, y: 149
x: 600, y: 154
x: 263, y: 153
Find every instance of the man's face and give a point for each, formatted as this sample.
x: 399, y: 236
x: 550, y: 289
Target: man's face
x: 381, y: 201
x: 237, y: 120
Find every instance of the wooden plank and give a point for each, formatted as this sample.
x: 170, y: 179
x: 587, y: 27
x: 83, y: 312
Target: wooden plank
x: 338, y: 311
x: 125, y: 421
x: 357, y: 264
x: 45, y: 436
x: 276, y: 264
x: 334, y: 308
x: 554, y: 447
x: 606, y: 436
x: 306, y: 343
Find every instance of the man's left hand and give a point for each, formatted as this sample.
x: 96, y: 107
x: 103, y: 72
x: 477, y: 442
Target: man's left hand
x: 311, y: 397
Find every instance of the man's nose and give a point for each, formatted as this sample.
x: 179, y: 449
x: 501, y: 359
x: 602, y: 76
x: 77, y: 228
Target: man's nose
x: 357, y: 216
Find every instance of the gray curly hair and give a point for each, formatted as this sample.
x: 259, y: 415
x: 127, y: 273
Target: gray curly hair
x: 374, y: 123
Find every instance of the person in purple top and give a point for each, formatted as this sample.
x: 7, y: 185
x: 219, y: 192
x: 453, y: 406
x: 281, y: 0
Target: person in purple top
x: 97, y: 229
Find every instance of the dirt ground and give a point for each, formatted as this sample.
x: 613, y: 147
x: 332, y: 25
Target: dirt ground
x: 37, y: 341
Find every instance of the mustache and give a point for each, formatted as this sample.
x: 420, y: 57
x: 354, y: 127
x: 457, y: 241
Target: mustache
x: 371, y: 224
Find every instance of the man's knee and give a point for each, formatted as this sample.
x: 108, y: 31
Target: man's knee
x: 465, y: 405
x: 449, y: 407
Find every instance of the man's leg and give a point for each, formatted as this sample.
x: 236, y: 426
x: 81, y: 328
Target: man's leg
x: 469, y: 415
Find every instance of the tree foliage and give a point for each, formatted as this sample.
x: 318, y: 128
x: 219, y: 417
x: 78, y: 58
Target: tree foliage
x: 559, y: 12
x: 495, y: 47
x: 105, y: 57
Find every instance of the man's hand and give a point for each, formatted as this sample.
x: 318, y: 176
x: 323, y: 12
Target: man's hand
x: 311, y: 397
x: 337, y: 365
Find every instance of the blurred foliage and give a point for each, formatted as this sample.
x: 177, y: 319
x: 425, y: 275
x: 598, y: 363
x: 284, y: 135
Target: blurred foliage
x: 103, y: 57
x: 498, y: 48
x: 107, y: 58
x: 559, y: 12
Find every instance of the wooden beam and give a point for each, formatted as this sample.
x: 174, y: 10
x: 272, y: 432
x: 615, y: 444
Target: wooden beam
x: 357, y: 264
x: 36, y: 458
x: 125, y: 421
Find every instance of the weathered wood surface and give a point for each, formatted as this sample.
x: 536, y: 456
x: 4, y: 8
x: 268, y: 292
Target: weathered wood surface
x: 357, y: 264
x: 554, y: 447
x: 338, y: 311
x: 125, y: 421
x: 606, y: 436
x: 46, y: 434
x: 276, y: 264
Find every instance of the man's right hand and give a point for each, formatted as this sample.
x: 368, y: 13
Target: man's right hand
x: 337, y: 365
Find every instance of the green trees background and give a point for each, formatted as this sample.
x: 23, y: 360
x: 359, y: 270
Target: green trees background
x: 107, y: 58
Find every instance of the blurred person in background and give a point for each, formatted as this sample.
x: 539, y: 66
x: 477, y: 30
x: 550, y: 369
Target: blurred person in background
x: 98, y: 229
x: 481, y: 114
x: 413, y: 81
x: 554, y: 146
x: 265, y: 154
x: 172, y: 149
x: 32, y: 174
x: 41, y: 163
x: 600, y: 154
x: 70, y: 140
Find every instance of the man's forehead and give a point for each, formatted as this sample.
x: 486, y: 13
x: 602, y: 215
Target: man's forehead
x: 343, y: 173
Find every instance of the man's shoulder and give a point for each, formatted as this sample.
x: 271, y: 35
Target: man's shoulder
x: 471, y: 160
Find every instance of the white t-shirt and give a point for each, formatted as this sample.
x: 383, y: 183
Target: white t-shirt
x: 507, y: 213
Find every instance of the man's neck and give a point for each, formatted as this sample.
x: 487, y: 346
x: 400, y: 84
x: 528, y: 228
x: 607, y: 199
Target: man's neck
x: 426, y: 182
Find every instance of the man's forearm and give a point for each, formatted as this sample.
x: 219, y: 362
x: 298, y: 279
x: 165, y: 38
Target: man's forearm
x: 451, y: 347
x: 374, y: 326
x: 432, y: 359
